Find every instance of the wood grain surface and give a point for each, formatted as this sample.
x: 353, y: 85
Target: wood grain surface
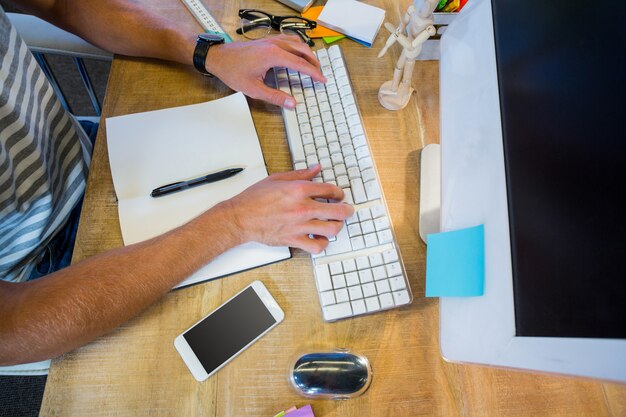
x: 135, y: 370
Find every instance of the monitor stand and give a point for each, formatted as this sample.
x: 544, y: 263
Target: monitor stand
x: 430, y: 190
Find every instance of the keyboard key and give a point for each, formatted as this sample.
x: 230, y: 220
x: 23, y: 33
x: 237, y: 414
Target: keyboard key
x: 336, y: 158
x: 369, y: 289
x: 367, y: 225
x: 378, y: 211
x: 382, y: 286
x: 351, y: 161
x: 372, y: 304
x: 354, y: 229
x: 358, y: 191
x: 381, y: 223
x: 357, y: 242
x: 390, y: 256
x: 401, y: 297
x: 370, y: 240
x: 397, y: 283
x: 365, y: 163
x: 352, y: 278
x: 394, y: 269
x: 354, y: 173
x: 327, y: 298
x: 362, y: 262
x: 320, y: 141
x: 340, y: 169
x: 349, y: 265
x: 300, y: 165
x: 334, y: 52
x: 358, y: 307
x: 343, y: 182
x: 323, y: 278
x: 376, y: 259
x: 337, y: 311
x: 348, y: 150
x: 341, y: 295
x: 335, y: 268
x: 353, y: 121
x: 356, y: 130
x: 366, y: 276
x: 373, y: 190
x: 386, y: 300
x: 379, y: 273
x: 364, y: 215
x: 385, y: 236
x: 339, y: 281
x: 355, y: 292
x: 368, y: 175
x: 341, y: 244
x: 362, y: 152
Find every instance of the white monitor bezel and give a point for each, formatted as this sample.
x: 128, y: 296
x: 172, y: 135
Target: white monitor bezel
x: 473, y: 191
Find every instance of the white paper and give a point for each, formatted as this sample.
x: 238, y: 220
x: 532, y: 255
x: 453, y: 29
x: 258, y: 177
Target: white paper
x: 352, y: 18
x: 151, y: 149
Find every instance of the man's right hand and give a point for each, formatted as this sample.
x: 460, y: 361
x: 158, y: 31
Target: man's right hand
x: 243, y: 65
x: 282, y: 210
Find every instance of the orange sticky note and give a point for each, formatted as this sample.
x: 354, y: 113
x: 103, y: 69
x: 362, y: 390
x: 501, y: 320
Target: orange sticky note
x: 319, y: 31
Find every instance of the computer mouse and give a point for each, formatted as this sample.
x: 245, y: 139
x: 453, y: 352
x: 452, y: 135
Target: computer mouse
x: 337, y: 375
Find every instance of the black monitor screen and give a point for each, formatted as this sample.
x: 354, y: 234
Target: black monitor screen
x: 561, y: 73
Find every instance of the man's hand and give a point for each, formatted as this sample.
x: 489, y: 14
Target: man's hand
x: 282, y: 210
x: 243, y: 65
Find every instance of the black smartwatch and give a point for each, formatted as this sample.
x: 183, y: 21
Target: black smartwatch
x: 203, y: 43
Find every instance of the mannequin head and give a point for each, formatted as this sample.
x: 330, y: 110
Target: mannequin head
x: 422, y: 16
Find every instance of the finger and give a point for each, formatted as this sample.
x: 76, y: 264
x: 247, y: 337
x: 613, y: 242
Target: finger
x: 272, y: 95
x: 324, y: 190
x: 302, y: 65
x: 327, y: 228
x: 314, y: 245
x: 297, y: 47
x: 300, y: 174
x: 331, y: 211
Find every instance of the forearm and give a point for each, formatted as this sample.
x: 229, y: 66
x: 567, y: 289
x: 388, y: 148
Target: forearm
x: 71, y: 307
x: 120, y: 26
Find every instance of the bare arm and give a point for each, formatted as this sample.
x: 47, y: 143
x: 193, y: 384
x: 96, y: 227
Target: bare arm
x: 128, y: 28
x: 55, y: 314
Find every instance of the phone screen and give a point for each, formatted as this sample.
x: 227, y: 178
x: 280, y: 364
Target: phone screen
x: 229, y: 329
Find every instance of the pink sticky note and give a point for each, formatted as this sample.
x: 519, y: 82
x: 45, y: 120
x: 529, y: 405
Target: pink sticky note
x: 305, y: 411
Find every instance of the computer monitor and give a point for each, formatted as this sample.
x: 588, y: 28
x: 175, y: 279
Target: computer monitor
x: 533, y: 146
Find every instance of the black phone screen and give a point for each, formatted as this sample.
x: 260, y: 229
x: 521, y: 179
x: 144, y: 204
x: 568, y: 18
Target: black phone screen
x: 229, y: 329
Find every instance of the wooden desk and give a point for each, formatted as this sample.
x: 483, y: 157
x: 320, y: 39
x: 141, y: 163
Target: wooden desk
x: 135, y: 369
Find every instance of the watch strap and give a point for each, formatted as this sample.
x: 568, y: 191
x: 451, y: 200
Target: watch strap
x: 199, y: 56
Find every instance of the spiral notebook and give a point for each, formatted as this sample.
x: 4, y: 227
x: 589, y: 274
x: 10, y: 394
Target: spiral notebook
x: 148, y: 150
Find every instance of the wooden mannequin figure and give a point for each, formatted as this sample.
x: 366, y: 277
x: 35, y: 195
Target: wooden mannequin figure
x: 414, y: 29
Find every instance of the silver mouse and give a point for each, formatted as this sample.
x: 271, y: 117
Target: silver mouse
x: 338, y: 375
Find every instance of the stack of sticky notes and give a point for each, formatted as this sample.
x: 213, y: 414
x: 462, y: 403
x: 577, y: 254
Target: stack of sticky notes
x: 305, y: 411
x: 320, y: 31
x: 355, y: 19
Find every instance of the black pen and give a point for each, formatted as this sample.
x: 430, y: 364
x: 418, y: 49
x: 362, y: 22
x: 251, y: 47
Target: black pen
x: 205, y: 179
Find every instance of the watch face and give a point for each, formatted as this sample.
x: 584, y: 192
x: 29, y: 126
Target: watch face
x: 211, y: 37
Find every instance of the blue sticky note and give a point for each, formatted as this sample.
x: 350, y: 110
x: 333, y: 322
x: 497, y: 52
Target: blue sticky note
x: 455, y: 263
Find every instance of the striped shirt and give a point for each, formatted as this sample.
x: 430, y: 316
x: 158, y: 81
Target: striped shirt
x: 44, y: 158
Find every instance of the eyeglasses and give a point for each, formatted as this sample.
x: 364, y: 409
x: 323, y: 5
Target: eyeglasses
x: 256, y: 24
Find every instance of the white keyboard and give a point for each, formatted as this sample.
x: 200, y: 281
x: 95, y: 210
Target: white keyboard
x: 361, y: 270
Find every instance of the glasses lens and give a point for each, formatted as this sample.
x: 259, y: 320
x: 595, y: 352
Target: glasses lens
x: 294, y: 26
x: 255, y: 25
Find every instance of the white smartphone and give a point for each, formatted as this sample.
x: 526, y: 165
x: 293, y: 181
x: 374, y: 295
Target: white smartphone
x: 212, y: 342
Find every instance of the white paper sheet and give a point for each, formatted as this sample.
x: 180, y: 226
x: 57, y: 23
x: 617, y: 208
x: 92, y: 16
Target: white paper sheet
x: 151, y: 149
x: 352, y: 18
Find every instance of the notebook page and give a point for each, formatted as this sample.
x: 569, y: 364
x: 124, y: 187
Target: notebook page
x: 151, y: 149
